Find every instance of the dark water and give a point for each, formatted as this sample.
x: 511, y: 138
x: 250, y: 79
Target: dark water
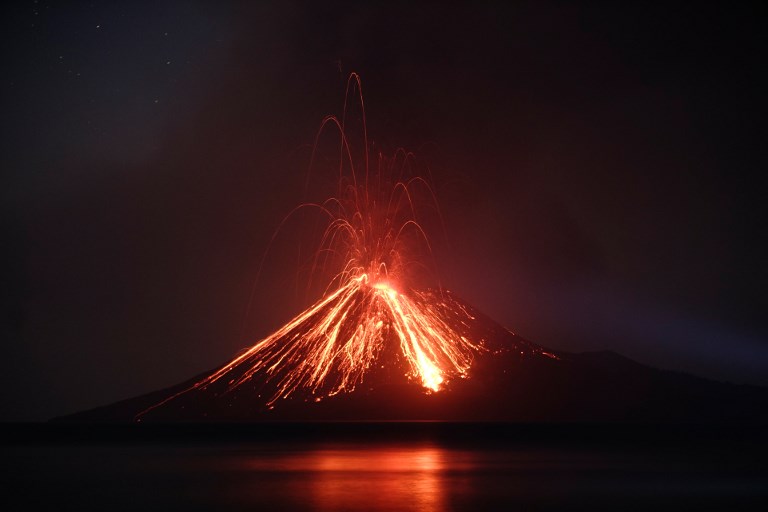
x: 395, y: 472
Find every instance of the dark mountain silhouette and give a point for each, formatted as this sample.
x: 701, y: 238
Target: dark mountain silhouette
x: 513, y: 380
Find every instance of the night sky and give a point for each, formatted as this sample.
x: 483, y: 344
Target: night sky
x: 600, y: 171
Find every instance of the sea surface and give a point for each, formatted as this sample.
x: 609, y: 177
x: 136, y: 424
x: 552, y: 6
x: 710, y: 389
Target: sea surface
x: 401, y: 467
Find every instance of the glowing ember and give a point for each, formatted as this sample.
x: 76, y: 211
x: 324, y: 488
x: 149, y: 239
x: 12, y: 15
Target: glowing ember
x: 368, y: 318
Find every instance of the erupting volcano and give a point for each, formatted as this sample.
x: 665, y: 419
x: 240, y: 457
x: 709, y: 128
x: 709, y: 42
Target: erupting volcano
x: 379, y: 343
x: 369, y: 321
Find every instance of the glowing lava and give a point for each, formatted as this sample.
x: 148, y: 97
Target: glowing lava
x: 330, y: 346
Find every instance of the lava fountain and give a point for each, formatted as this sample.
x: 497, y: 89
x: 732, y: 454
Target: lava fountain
x: 369, y: 318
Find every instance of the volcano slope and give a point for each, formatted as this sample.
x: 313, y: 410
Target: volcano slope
x: 489, y: 375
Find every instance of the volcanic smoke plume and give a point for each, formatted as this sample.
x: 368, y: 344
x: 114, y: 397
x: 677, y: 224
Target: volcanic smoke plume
x: 370, y: 325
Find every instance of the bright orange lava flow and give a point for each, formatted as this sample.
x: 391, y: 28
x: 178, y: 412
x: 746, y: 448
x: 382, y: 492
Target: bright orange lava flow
x: 329, y: 347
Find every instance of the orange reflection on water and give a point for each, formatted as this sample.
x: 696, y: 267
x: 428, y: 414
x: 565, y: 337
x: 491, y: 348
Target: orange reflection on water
x: 365, y: 477
x: 385, y: 478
